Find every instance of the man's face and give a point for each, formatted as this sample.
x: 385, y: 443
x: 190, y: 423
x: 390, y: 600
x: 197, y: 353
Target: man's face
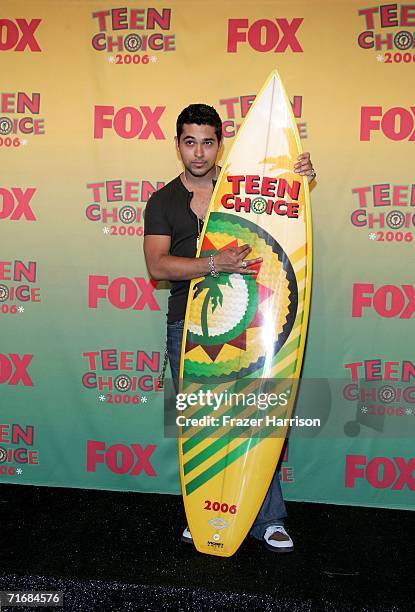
x: 198, y: 148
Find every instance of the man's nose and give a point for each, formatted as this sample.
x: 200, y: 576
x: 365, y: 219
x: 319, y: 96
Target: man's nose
x: 199, y: 150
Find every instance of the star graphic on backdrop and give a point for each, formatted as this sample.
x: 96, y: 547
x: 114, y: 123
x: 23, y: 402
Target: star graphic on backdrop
x: 102, y: 398
x: 408, y: 411
x: 23, y: 141
x: 153, y: 59
x: 363, y: 409
x: 380, y: 57
x: 106, y: 230
x: 20, y: 309
x: 143, y: 399
x: 372, y: 236
x: 19, y: 471
x: 111, y: 59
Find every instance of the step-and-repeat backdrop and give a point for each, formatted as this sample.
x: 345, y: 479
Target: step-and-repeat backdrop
x: 89, y: 97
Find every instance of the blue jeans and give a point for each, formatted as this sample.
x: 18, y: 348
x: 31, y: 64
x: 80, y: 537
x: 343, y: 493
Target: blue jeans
x: 273, y: 511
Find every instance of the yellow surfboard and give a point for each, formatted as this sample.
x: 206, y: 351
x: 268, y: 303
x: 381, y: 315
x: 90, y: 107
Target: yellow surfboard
x: 244, y: 335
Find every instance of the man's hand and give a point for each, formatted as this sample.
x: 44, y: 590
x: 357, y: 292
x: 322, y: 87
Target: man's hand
x: 233, y: 260
x: 305, y: 167
x: 163, y: 266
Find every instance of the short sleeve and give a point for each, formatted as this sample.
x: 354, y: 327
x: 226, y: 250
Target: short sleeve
x: 155, y: 218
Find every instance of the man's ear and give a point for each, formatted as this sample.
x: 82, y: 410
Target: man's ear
x: 176, y: 142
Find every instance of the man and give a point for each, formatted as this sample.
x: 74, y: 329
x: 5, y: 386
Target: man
x: 173, y: 223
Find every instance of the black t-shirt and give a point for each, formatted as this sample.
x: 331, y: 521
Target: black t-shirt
x: 168, y: 213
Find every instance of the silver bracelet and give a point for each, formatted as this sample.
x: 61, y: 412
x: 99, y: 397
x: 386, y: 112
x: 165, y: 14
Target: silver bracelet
x: 212, y: 267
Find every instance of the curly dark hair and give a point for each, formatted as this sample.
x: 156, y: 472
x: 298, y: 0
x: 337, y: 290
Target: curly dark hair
x: 201, y: 114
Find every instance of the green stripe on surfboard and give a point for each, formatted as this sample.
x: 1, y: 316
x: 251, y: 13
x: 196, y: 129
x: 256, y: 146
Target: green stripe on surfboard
x: 220, y: 443
x: 223, y: 463
x: 207, y: 432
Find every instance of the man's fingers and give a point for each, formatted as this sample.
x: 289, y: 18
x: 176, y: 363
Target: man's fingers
x: 243, y: 250
x: 247, y: 264
x: 252, y: 262
x: 303, y: 166
x: 303, y: 163
x: 303, y: 170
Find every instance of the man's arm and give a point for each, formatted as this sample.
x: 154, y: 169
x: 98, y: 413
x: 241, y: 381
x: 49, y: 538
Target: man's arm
x: 163, y: 266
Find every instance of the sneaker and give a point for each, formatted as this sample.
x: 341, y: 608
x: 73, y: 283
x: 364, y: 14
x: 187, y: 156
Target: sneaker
x: 277, y: 539
x: 187, y: 536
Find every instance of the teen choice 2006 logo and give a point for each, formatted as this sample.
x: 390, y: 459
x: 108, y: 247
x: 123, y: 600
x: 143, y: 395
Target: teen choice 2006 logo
x: 136, y: 36
x: 238, y: 323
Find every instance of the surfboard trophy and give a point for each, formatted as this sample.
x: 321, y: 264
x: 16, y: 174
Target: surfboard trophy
x: 244, y: 335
